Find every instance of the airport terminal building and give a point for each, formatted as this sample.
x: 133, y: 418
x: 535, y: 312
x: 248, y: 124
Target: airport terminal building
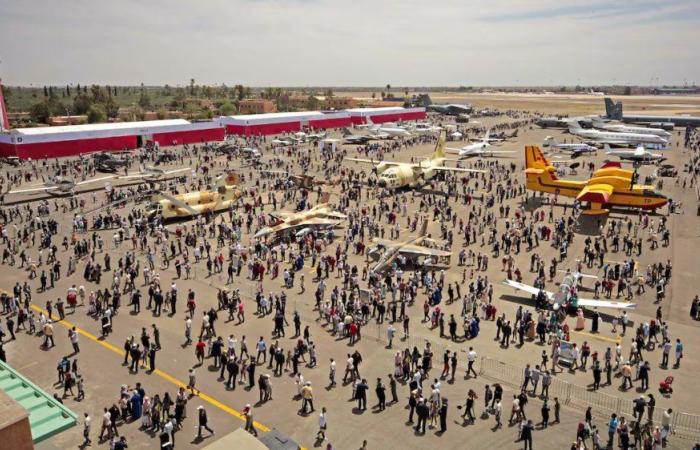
x: 52, y: 142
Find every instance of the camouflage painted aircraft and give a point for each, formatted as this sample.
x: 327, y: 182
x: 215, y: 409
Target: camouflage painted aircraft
x: 420, y: 249
x: 224, y: 195
x: 320, y: 216
x: 394, y: 175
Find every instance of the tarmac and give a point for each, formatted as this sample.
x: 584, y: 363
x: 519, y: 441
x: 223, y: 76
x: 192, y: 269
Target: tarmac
x: 100, y: 359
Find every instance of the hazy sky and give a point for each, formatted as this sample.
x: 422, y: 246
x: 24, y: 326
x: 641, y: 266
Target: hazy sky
x: 350, y: 42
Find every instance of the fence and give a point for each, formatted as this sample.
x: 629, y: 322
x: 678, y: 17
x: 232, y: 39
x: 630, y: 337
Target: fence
x: 683, y: 425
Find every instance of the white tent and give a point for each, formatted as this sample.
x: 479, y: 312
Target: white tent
x: 456, y: 135
x: 332, y: 142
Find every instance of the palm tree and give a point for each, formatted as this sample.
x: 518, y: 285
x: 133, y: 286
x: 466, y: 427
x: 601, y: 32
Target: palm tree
x: 388, y: 90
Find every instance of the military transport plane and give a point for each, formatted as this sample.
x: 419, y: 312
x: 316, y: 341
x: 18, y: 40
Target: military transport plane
x: 609, y: 186
x: 396, y: 175
x: 320, y: 216
x: 451, y: 109
x: 420, y: 250
x: 224, y: 195
x: 568, y: 294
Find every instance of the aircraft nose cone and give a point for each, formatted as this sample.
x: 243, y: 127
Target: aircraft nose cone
x: 382, y: 183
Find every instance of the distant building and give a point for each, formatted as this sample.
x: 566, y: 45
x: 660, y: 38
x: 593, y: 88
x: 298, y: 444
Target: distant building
x: 256, y: 106
x: 67, y: 120
x: 339, y: 103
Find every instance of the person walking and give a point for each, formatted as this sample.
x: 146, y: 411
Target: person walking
x: 249, y: 421
x: 322, y: 424
x: 203, y: 422
x: 87, y: 426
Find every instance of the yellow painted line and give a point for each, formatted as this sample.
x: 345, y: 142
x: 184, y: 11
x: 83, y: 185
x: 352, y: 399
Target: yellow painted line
x: 599, y: 337
x: 212, y: 401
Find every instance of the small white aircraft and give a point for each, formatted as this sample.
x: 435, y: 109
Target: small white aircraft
x: 568, y: 294
x: 639, y: 155
x: 478, y: 149
x: 60, y: 186
x: 574, y: 149
x: 391, y: 131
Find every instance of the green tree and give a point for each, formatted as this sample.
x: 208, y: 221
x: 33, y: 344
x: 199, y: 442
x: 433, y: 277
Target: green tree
x: 312, y: 103
x: 226, y: 108
x: 628, y: 90
x: 161, y: 113
x: 111, y: 107
x: 40, y: 112
x: 388, y: 90
x: 67, y: 91
x: 144, y: 100
x: 191, y: 86
x: 46, y: 91
x: 81, y: 104
x: 96, y: 114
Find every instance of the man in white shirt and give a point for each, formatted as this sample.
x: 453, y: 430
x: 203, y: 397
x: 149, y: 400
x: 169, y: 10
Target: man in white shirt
x: 322, y: 425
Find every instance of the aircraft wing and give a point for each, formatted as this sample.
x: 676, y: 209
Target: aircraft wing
x: 362, y: 160
x: 315, y: 221
x: 457, y: 169
x: 94, y: 180
x: 170, y: 172
x: 419, y: 250
x: 134, y: 175
x: 369, y: 161
x: 605, y: 304
x: 527, y: 288
x: 595, y: 193
x: 38, y: 189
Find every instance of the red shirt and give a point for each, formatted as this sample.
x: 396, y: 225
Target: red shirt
x: 199, y: 348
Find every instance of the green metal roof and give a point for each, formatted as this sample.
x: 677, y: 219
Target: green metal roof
x: 47, y: 416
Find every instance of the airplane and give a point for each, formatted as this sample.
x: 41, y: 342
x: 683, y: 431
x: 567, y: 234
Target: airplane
x: 567, y: 296
x: 575, y: 149
x: 386, y: 251
x: 609, y: 186
x: 501, y: 136
x: 451, y: 109
x: 282, y: 142
x: 396, y: 175
x: 154, y: 174
x: 390, y: 131
x: 304, y: 181
x: 321, y: 215
x: 613, y: 138
x: 224, y: 195
x: 639, y: 155
x: 349, y: 138
x: 592, y: 92
x: 614, y: 111
x: 107, y: 162
x: 311, y: 137
x: 425, y: 128
x: 477, y: 149
x: 621, y: 128
x: 60, y: 186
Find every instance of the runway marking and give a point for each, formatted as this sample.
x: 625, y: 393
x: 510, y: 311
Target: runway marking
x: 212, y: 401
x: 598, y: 336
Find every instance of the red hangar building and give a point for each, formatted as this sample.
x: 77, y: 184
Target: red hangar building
x: 52, y: 142
x: 278, y: 123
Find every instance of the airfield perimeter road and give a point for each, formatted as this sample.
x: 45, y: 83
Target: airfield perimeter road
x: 100, y: 360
